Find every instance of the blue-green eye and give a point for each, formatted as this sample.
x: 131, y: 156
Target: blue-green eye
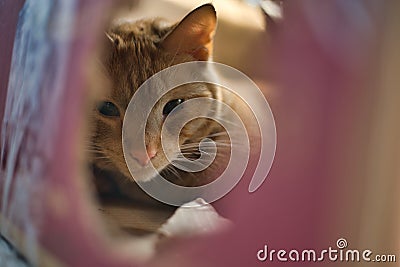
x: 108, y: 109
x: 171, y: 105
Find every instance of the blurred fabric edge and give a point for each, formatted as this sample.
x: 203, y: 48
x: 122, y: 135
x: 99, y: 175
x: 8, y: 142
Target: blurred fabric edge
x: 9, y: 16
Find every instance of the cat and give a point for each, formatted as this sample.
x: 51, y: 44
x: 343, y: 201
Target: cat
x: 135, y: 51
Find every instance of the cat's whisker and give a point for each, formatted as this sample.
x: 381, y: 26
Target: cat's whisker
x: 94, y: 150
x: 187, y: 154
x: 195, y: 153
x: 205, y: 145
x: 197, y: 162
x: 92, y: 147
x: 175, y: 172
x: 102, y: 158
x: 225, y: 133
x: 106, y: 161
x: 170, y: 169
x: 192, y: 145
x: 216, y: 134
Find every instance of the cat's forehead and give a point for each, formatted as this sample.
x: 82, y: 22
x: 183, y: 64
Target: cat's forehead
x: 134, y: 56
x: 136, y: 48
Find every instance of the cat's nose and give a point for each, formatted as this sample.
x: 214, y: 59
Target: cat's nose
x: 144, y: 158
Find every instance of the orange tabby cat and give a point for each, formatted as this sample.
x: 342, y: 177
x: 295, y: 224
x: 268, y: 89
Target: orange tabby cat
x: 135, y: 52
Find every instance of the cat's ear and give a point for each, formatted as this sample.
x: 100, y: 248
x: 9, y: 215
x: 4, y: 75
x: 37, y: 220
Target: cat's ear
x: 194, y: 34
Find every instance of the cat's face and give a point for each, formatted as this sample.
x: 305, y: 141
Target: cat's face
x: 135, y: 52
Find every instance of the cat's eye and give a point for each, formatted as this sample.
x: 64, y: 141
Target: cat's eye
x: 108, y: 109
x: 171, y: 105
